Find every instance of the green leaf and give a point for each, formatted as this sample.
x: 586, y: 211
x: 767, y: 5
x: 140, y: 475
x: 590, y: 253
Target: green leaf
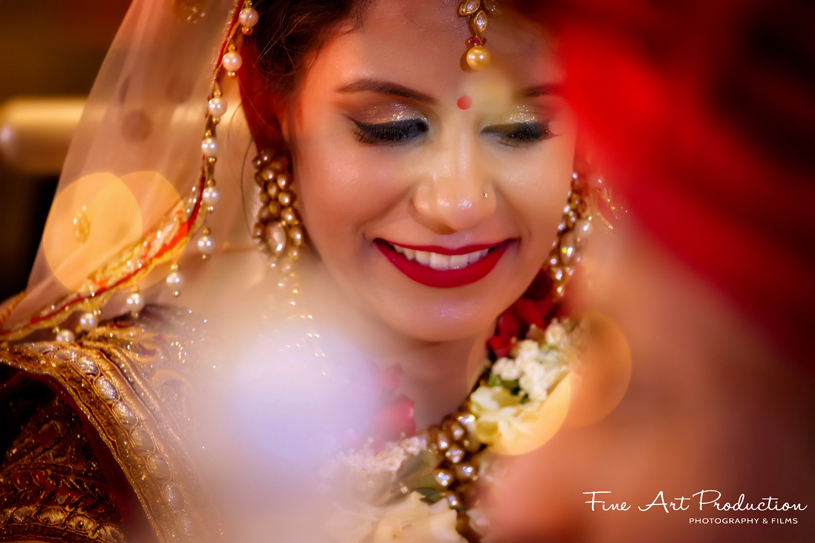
x: 417, y: 466
x: 430, y: 495
x: 511, y: 385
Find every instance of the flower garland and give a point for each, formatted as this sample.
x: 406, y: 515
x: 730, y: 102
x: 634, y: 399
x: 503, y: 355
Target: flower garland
x: 421, y: 488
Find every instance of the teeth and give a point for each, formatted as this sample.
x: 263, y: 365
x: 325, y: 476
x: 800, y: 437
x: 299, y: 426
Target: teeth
x: 422, y: 257
x: 441, y: 262
x: 476, y: 256
x: 458, y: 261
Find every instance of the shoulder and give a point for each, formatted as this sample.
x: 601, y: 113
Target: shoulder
x: 52, y: 485
x: 127, y: 382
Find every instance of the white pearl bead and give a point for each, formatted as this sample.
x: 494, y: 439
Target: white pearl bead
x: 567, y: 248
x: 248, y: 17
x: 210, y: 196
x: 277, y: 238
x: 209, y: 147
x: 206, y: 245
x: 135, y: 302
x: 217, y: 106
x: 232, y: 61
x: 88, y: 321
x: 65, y: 335
x: 175, y: 280
x: 582, y: 230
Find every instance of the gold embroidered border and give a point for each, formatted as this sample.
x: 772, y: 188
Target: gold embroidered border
x: 149, y: 452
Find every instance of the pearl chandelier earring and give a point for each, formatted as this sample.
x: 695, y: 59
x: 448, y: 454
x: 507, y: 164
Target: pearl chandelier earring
x: 277, y: 229
x: 574, y: 229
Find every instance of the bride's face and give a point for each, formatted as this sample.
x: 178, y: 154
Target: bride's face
x: 432, y: 194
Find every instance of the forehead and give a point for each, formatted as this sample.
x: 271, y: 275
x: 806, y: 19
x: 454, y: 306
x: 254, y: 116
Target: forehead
x: 421, y: 43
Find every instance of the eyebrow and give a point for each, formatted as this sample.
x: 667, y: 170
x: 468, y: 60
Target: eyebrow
x: 386, y: 87
x: 542, y: 90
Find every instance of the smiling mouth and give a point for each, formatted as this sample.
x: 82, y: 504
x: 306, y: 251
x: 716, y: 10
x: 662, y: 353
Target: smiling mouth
x: 441, y: 267
x: 439, y: 261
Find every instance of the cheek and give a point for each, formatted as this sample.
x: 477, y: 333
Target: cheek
x: 342, y: 189
x: 535, y: 186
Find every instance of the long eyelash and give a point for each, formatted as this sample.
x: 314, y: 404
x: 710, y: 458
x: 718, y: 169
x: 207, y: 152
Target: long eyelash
x: 389, y: 133
x: 518, y: 134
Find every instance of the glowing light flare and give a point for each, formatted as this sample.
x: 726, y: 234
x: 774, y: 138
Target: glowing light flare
x: 287, y: 403
x: 97, y: 216
x: 541, y: 424
x: 601, y: 380
x: 155, y: 194
x: 156, y: 197
x: 492, y: 96
x: 90, y: 221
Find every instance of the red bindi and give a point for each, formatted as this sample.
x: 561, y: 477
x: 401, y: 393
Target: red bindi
x: 464, y: 102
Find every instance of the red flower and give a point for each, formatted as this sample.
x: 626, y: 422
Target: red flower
x: 535, y: 307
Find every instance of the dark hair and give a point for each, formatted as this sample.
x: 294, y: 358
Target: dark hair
x: 289, y: 30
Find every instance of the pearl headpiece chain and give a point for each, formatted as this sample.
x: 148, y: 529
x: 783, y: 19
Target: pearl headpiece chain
x: 228, y: 65
x: 277, y: 230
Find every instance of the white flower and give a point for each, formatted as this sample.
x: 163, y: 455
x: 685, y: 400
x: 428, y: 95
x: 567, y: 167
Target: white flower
x: 365, y: 461
x: 528, y: 351
x: 510, y: 427
x: 507, y: 369
x: 551, y: 358
x: 485, y: 399
x: 409, y: 520
x: 538, y: 379
x: 497, y: 414
x: 555, y: 334
x: 412, y: 445
x: 392, y: 462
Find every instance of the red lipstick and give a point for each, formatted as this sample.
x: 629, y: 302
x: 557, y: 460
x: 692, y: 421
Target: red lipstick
x: 450, y: 278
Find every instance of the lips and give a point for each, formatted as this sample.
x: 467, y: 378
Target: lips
x: 441, y: 267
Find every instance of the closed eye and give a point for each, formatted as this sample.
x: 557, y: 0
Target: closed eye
x: 518, y: 134
x: 391, y: 133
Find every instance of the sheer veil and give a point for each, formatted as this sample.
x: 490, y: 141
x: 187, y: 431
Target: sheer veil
x: 128, y: 199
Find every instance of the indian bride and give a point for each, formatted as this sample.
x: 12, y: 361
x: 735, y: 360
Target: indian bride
x: 306, y: 278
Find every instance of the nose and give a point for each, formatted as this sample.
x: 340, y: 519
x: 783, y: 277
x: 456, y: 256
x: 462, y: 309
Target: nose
x: 455, y: 193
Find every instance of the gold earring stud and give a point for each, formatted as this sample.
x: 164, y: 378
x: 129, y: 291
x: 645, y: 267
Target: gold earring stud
x: 277, y: 228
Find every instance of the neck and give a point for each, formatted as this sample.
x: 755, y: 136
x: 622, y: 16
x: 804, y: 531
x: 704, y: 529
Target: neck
x: 435, y: 375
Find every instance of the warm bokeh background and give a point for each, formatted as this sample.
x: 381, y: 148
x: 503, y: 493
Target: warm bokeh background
x: 57, y: 52
x: 708, y: 110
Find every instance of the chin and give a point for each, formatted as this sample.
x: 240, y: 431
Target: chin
x: 446, y: 314
x: 427, y: 313
x: 441, y: 326
x: 439, y: 315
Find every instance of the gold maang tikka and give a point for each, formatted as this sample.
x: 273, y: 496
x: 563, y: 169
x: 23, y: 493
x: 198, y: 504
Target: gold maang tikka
x: 478, y: 56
